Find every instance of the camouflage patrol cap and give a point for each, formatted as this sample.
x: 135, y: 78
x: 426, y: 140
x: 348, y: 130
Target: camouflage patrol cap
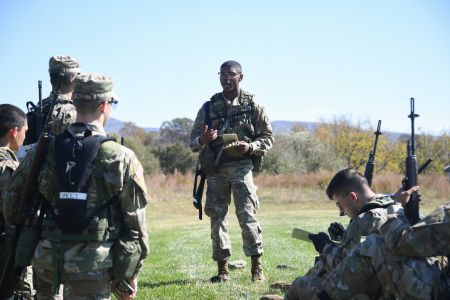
x: 64, y: 64
x: 93, y: 87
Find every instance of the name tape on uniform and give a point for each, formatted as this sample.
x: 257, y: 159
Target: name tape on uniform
x: 73, y: 196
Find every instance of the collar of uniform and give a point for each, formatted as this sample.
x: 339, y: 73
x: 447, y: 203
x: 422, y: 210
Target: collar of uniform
x: 61, y: 96
x: 6, y: 153
x: 78, y: 129
x: 232, y: 102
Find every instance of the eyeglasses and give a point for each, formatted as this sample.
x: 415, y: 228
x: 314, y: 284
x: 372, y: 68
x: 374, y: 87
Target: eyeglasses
x: 228, y: 74
x: 113, y: 103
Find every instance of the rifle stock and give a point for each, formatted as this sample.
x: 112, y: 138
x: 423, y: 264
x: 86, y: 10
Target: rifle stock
x: 197, y: 192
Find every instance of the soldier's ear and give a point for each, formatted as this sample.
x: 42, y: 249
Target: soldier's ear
x: 103, y: 106
x: 13, y: 132
x: 241, y: 76
x: 353, y: 196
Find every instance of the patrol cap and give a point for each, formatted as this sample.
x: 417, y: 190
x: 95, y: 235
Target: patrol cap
x: 63, y: 64
x: 93, y: 87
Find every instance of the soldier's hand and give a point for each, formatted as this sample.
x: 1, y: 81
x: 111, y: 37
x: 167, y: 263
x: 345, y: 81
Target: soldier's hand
x: 336, y: 231
x: 207, y: 136
x: 403, y: 196
x: 122, y: 295
x: 320, y: 240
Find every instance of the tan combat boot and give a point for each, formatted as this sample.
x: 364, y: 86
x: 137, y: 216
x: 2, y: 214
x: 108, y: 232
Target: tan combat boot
x: 222, y: 274
x: 257, y: 272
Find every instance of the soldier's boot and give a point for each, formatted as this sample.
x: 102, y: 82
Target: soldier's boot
x: 222, y: 273
x: 257, y: 270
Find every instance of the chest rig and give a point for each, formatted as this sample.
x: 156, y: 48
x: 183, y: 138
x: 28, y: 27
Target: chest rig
x: 226, y: 119
x: 74, y: 213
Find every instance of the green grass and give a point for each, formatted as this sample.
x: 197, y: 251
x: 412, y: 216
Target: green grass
x: 180, y: 263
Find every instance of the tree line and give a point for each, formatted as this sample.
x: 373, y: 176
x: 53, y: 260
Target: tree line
x: 330, y: 146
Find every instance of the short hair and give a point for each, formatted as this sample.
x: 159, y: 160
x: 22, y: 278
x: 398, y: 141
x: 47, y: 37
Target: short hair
x: 346, y: 181
x: 87, y: 106
x: 231, y: 64
x: 10, y: 117
x: 65, y: 78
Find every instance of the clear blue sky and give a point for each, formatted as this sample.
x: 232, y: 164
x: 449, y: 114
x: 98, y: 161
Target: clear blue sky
x: 304, y: 60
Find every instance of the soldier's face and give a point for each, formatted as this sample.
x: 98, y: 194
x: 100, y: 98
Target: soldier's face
x: 18, y: 137
x: 230, y: 78
x: 347, y: 203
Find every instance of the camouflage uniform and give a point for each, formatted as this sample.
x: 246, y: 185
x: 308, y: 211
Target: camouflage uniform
x: 409, y: 240
x: 8, y: 164
x: 63, y: 114
x: 371, y: 265
x: 83, y: 261
x: 373, y: 215
x: 234, y: 175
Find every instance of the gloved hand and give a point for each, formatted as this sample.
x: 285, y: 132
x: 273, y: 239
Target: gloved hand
x: 320, y: 240
x: 336, y: 231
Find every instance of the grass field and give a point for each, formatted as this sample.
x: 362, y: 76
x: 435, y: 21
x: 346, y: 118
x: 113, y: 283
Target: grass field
x: 180, y: 264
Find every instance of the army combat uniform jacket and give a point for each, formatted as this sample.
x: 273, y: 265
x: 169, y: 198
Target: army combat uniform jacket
x: 61, y: 257
x: 64, y: 113
x: 8, y: 163
x: 372, y: 216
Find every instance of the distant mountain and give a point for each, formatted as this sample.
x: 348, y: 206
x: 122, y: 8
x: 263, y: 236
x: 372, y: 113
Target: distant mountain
x: 279, y: 126
x: 114, y: 126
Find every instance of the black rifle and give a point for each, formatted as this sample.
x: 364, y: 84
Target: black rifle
x: 35, y: 119
x: 370, y: 165
x: 197, y: 192
x: 410, y: 180
x: 30, y: 201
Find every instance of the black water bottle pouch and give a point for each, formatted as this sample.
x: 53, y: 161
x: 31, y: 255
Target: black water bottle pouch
x: 72, y: 212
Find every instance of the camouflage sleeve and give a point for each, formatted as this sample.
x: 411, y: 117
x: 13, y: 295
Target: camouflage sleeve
x: 263, y: 131
x: 63, y: 115
x: 361, y: 226
x: 429, y: 237
x: 133, y: 200
x: 6, y: 170
x: 13, y: 188
x: 197, y: 128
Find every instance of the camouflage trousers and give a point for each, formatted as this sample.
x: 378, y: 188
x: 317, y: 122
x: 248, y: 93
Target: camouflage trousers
x: 233, y: 178
x: 84, y: 269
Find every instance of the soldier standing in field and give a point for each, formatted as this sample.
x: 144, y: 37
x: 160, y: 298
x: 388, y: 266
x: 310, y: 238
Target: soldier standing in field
x: 13, y: 126
x: 63, y: 70
x: 229, y: 169
x: 94, y: 232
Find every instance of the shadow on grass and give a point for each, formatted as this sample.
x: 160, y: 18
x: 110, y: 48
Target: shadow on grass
x: 169, y: 283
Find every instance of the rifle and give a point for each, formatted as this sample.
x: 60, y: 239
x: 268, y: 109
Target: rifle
x: 197, y: 192
x: 27, y: 206
x: 35, y: 119
x: 370, y: 165
x: 410, y: 180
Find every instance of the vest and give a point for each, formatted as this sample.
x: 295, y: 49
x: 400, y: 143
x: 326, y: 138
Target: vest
x: 234, y: 119
x: 73, y: 214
